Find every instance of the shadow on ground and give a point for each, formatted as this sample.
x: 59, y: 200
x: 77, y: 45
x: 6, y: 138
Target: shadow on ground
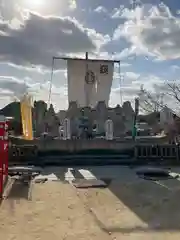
x: 19, y: 190
x: 155, y: 203
x: 5, y: 185
x: 152, y: 203
x: 58, y: 172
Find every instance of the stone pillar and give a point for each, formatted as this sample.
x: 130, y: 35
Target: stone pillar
x: 60, y: 132
x: 66, y: 129
x: 109, y: 129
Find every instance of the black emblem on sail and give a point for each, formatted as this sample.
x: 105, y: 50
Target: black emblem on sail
x: 103, y: 69
x: 90, y: 77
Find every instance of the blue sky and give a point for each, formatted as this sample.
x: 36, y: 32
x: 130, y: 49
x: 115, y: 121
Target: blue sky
x: 145, y: 36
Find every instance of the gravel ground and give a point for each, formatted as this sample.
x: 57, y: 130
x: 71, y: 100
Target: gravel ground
x: 127, y: 209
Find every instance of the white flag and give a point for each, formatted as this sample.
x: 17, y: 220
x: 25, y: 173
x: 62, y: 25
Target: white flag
x: 89, y: 81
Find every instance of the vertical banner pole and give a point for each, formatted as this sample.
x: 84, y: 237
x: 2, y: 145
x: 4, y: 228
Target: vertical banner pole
x: 120, y: 85
x: 51, y: 79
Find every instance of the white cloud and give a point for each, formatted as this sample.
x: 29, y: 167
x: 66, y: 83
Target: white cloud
x: 175, y: 68
x: 29, y: 39
x: 40, y: 38
x: 132, y: 75
x: 151, y: 30
x: 36, y: 69
x: 100, y: 9
x: 154, y: 85
x: 131, y: 84
x: 117, y: 12
x: 12, y: 88
x: 13, y: 9
x: 125, y: 64
x: 59, y: 97
x: 72, y: 4
x: 129, y: 53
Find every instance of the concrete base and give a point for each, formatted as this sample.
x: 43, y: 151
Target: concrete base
x: 87, y: 144
x: 5, y: 181
x: 91, y: 183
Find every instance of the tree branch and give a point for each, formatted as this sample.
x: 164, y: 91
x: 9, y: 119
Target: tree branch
x: 175, y: 91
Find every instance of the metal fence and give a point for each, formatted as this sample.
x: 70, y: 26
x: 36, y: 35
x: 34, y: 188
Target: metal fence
x: 169, y: 151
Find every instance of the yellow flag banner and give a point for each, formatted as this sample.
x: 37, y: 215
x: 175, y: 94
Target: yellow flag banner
x: 26, y: 117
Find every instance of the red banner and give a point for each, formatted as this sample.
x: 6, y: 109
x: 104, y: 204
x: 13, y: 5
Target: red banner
x: 2, y: 133
x: 6, y: 148
x: 4, y: 145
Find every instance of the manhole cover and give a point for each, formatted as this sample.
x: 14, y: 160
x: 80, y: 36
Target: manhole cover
x: 154, y: 174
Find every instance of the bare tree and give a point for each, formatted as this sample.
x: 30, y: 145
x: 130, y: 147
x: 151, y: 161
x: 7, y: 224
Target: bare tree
x: 174, y: 91
x: 153, y: 102
x: 150, y: 102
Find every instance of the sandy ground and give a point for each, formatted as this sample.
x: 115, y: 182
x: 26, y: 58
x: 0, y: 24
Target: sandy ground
x: 125, y: 210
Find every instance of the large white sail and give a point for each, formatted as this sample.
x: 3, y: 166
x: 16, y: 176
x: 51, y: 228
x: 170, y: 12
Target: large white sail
x: 105, y: 78
x: 89, y: 81
x: 76, y: 71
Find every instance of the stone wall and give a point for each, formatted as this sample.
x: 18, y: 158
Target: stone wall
x: 80, y: 145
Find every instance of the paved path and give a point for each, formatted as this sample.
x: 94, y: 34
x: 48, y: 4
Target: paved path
x: 123, y: 173
x: 130, y: 208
